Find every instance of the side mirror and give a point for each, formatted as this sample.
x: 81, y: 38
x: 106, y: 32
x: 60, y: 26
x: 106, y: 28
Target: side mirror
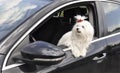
x: 42, y: 53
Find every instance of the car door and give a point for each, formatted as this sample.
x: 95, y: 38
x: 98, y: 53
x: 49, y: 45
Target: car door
x: 96, y: 53
x: 112, y: 21
x: 106, y: 58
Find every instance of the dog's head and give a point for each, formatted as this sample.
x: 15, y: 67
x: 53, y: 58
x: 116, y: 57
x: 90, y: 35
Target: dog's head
x: 83, y: 28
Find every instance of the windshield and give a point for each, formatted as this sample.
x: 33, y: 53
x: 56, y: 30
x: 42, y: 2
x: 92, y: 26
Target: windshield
x: 14, y: 12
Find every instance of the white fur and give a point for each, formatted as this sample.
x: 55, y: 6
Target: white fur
x: 79, y: 17
x: 79, y: 38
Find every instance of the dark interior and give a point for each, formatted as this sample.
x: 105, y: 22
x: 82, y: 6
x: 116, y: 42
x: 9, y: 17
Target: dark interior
x: 53, y: 29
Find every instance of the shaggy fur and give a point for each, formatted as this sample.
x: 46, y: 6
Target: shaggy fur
x: 79, y: 38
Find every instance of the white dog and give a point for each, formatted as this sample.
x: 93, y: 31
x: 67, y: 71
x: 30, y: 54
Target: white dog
x: 79, y: 38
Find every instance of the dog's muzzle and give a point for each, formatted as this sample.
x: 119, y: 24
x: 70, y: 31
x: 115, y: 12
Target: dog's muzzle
x: 77, y: 29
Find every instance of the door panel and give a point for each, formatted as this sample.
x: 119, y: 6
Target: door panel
x: 112, y: 20
x: 112, y: 65
x: 84, y: 65
x: 87, y: 64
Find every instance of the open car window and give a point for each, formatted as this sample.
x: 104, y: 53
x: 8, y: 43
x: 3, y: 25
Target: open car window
x: 60, y: 23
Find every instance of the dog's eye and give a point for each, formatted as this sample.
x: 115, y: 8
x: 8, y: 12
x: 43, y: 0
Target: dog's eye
x: 83, y: 27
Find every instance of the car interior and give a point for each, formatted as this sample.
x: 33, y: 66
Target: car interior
x: 58, y: 24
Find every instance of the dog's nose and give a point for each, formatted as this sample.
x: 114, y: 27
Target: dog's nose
x: 77, y: 29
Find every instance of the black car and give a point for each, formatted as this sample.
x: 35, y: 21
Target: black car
x: 25, y: 23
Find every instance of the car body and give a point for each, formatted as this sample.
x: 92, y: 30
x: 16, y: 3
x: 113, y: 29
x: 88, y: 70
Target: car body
x: 23, y: 22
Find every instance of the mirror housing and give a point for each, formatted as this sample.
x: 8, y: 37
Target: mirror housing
x: 42, y: 53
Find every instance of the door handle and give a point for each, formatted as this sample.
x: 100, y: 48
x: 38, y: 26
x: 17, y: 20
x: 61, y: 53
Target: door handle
x: 100, y: 59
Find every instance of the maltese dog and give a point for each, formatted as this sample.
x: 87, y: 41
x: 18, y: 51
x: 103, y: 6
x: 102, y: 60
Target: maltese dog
x: 79, y: 38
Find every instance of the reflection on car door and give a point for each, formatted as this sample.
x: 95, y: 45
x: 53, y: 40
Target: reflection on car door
x: 112, y: 20
x: 88, y: 64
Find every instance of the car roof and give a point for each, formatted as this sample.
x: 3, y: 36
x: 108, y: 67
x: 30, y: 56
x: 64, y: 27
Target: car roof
x: 89, y: 0
x: 100, y: 0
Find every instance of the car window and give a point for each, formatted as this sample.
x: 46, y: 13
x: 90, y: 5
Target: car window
x: 60, y: 23
x: 112, y: 17
x: 15, y: 12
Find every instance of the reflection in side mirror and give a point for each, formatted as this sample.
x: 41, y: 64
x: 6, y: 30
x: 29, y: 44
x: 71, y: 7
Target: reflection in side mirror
x: 42, y: 53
